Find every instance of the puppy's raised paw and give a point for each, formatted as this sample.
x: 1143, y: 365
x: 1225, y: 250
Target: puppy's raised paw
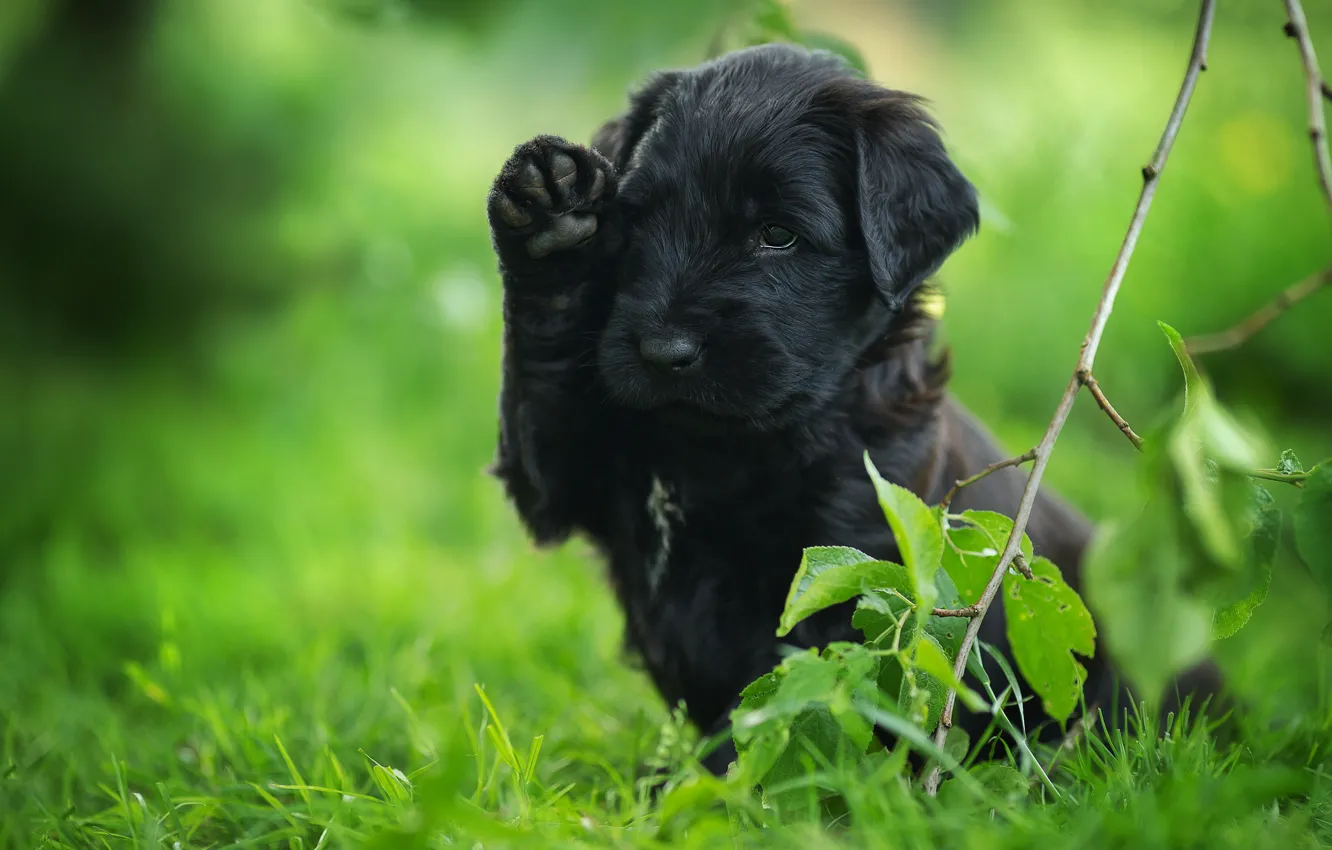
x: 548, y: 198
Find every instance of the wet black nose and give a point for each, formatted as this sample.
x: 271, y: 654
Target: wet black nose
x: 674, y: 351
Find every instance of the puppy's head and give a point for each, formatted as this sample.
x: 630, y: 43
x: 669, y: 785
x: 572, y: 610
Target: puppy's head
x: 779, y: 213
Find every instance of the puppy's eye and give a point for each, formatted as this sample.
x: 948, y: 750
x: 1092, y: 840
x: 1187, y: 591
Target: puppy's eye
x: 776, y: 237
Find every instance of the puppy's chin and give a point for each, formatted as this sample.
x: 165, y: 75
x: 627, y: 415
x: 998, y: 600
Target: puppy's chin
x: 697, y: 420
x: 713, y: 412
x: 699, y: 403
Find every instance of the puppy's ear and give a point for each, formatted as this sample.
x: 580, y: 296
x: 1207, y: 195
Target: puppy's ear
x: 913, y: 204
x: 619, y: 137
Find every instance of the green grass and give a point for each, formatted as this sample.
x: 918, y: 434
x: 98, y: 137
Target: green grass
x: 330, y: 701
x: 248, y: 592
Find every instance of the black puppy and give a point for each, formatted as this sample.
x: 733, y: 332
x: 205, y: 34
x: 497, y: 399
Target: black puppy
x: 710, y: 315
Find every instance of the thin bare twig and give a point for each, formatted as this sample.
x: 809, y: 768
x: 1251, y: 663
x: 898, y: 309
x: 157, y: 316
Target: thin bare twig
x: 1018, y: 460
x: 1262, y: 317
x: 969, y: 611
x: 1151, y: 174
x: 1089, y: 381
x: 1298, y: 28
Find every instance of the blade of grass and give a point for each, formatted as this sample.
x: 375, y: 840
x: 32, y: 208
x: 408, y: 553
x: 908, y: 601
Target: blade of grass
x: 297, y: 779
x: 123, y: 796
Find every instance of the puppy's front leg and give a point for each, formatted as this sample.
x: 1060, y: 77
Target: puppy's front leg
x: 550, y: 224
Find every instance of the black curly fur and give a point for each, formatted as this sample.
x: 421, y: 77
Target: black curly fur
x: 811, y: 355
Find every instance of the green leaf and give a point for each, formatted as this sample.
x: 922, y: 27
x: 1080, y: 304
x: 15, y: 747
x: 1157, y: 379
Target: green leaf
x: 1259, y: 552
x: 876, y: 616
x: 759, y: 691
x: 923, y: 691
x: 929, y: 658
x: 1213, y: 498
x: 1047, y: 623
x: 1193, y: 382
x: 761, y: 723
x: 957, y: 743
x: 679, y: 807
x: 1202, y: 502
x: 808, y: 682
x: 1313, y: 525
x: 856, y: 661
x: 814, y: 730
x: 809, y: 677
x: 830, y: 575
x: 1156, y: 581
x: 1132, y: 580
x: 944, y: 634
x: 917, y: 534
x: 1001, y: 780
x: 972, y: 549
x: 921, y: 698
x: 757, y: 755
x: 1289, y: 463
x: 947, y: 631
x: 816, y: 559
x: 904, y: 729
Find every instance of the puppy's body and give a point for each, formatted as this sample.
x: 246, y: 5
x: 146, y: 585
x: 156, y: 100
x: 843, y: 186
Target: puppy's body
x: 694, y: 391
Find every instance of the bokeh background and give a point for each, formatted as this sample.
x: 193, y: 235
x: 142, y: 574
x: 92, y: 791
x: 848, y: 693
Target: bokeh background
x: 249, y: 337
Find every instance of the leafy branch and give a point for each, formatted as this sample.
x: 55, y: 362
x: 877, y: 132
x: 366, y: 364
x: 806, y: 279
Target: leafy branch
x: 1151, y: 175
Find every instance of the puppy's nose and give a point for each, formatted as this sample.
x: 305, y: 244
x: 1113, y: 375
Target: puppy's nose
x: 673, y: 351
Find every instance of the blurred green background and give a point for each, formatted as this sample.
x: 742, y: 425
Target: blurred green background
x: 249, y: 340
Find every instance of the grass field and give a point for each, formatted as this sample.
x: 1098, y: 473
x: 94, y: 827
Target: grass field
x: 258, y: 591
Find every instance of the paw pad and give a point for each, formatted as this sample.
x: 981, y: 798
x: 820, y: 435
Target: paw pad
x: 550, y: 191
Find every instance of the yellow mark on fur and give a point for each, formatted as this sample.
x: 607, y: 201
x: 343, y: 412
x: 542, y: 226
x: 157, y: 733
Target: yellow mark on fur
x: 931, y: 303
